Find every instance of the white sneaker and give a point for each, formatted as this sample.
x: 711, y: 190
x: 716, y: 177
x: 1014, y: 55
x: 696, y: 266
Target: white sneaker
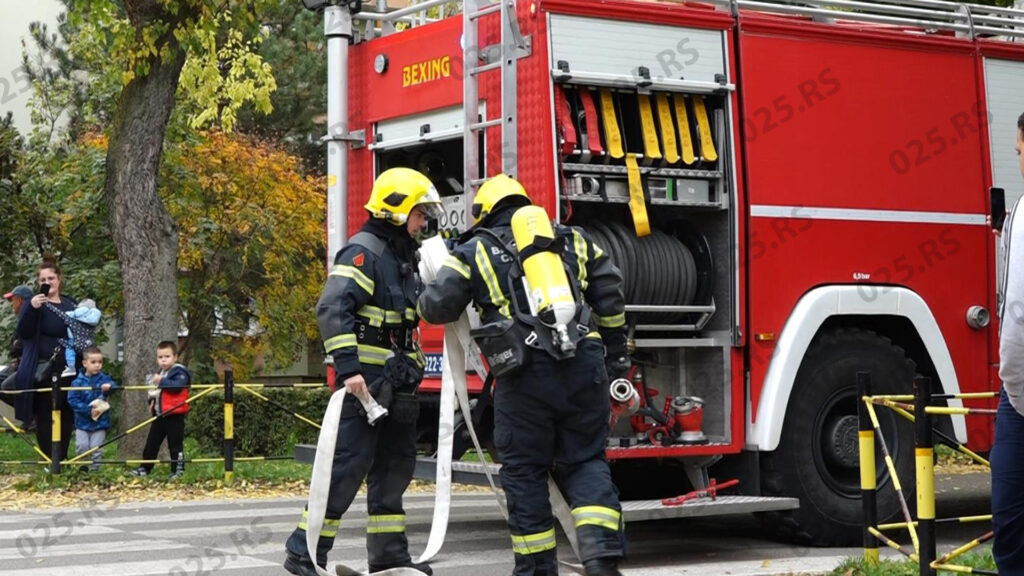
x: 68, y: 372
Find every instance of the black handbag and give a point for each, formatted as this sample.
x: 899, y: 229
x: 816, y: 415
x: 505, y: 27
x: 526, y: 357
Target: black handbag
x: 42, y: 375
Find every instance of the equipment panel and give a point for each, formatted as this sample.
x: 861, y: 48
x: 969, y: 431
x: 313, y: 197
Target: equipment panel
x: 619, y: 49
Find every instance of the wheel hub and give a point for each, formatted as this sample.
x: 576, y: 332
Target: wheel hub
x: 842, y: 441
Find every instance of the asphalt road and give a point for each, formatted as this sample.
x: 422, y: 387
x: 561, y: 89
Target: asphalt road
x: 246, y: 538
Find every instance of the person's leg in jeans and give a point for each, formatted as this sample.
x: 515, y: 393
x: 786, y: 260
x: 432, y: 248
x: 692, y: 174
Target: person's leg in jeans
x: 96, y: 438
x: 7, y: 383
x: 1007, y: 458
x: 81, y: 442
x: 176, y: 441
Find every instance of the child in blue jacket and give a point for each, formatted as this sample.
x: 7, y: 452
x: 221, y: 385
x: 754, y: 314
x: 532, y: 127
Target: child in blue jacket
x: 90, y: 406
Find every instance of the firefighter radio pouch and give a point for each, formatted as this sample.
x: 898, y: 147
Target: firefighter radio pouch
x: 502, y: 345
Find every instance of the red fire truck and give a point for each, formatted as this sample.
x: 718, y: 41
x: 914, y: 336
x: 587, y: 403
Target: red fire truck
x: 794, y: 193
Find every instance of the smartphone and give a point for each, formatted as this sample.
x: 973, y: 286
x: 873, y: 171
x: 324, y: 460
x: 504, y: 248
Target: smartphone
x: 998, y: 198
x: 44, y: 289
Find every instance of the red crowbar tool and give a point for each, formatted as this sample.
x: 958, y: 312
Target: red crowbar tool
x: 710, y: 492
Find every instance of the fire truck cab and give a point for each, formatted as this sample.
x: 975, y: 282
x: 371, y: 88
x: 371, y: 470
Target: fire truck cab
x: 794, y: 194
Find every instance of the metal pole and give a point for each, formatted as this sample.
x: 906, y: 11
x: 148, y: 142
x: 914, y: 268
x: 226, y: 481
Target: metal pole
x: 925, y: 457
x: 55, y: 439
x: 868, y: 480
x: 338, y: 30
x: 229, y: 424
x: 471, y: 105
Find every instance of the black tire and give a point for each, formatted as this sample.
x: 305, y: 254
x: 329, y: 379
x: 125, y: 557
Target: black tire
x: 817, y: 458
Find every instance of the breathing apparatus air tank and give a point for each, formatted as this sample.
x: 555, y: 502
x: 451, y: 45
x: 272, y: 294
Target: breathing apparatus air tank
x: 544, y: 278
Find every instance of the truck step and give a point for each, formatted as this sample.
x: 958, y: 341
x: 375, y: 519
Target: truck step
x: 462, y: 472
x: 632, y: 510
x: 640, y: 510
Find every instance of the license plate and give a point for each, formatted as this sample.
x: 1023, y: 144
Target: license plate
x: 433, y: 368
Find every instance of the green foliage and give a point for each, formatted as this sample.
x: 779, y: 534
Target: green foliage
x: 223, y: 70
x: 115, y: 476
x: 250, y: 254
x: 224, y: 76
x: 261, y: 429
x: 250, y: 222
x: 294, y: 45
x: 857, y: 566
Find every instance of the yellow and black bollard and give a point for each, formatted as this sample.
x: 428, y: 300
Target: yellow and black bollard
x: 867, y: 468
x: 925, y: 456
x: 55, y: 438
x: 229, y: 424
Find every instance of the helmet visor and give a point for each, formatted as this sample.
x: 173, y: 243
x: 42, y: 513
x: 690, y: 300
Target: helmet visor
x: 430, y: 203
x: 432, y: 211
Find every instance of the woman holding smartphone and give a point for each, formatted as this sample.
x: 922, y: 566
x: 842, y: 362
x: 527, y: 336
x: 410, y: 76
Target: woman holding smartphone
x: 40, y: 329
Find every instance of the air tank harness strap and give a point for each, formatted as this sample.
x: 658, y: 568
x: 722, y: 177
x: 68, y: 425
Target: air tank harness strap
x: 542, y: 244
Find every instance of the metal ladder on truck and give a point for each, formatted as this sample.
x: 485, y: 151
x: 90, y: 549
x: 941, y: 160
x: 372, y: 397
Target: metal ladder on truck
x: 503, y: 57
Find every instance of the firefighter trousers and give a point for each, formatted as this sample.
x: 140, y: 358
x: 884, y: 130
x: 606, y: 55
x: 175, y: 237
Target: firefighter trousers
x: 384, y: 454
x: 555, y: 414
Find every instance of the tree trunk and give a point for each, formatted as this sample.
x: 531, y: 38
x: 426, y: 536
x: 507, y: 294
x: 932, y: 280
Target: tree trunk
x: 145, y: 234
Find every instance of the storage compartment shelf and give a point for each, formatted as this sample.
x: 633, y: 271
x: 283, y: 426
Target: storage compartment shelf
x: 715, y: 446
x: 653, y: 202
x: 705, y: 315
x: 644, y: 170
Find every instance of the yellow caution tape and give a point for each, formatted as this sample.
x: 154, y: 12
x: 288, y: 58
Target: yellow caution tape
x: 637, y: 206
x: 651, y: 150
x: 707, y: 145
x: 668, y: 131
x: 612, y: 137
x: 683, y: 120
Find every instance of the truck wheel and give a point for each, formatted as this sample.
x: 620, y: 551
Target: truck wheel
x: 817, y: 459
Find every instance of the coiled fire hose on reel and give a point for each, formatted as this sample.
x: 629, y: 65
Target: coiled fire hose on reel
x: 457, y: 342
x: 658, y: 269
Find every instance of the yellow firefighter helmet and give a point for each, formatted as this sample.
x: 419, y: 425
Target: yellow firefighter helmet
x: 397, y: 191
x: 493, y: 191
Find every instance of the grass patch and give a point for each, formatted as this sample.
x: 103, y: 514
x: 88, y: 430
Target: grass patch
x: 859, y: 567
x: 32, y: 477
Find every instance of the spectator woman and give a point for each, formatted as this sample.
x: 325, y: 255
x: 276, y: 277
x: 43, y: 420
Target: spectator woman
x: 40, y: 330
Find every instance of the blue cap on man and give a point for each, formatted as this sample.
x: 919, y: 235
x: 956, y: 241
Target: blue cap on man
x: 21, y: 291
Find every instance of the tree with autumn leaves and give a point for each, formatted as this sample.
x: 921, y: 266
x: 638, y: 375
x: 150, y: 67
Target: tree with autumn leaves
x: 152, y: 204
x: 250, y: 251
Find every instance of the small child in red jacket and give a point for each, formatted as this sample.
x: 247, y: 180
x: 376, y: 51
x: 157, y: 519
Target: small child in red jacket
x: 167, y: 401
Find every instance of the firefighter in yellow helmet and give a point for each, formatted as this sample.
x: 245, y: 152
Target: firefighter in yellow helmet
x: 551, y: 401
x: 367, y: 316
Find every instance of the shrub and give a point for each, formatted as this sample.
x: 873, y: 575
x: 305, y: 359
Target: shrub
x: 261, y: 429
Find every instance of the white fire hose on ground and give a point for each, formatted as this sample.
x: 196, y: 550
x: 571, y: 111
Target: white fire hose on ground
x: 457, y: 342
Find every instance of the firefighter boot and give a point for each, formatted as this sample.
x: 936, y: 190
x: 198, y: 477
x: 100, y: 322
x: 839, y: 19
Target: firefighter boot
x: 299, y: 565
x: 607, y: 566
x: 540, y: 564
x: 424, y: 567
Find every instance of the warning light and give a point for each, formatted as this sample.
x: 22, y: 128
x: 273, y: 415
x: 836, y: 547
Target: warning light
x: 764, y: 337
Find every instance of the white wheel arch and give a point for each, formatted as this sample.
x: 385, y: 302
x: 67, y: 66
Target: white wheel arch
x: 807, y: 317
